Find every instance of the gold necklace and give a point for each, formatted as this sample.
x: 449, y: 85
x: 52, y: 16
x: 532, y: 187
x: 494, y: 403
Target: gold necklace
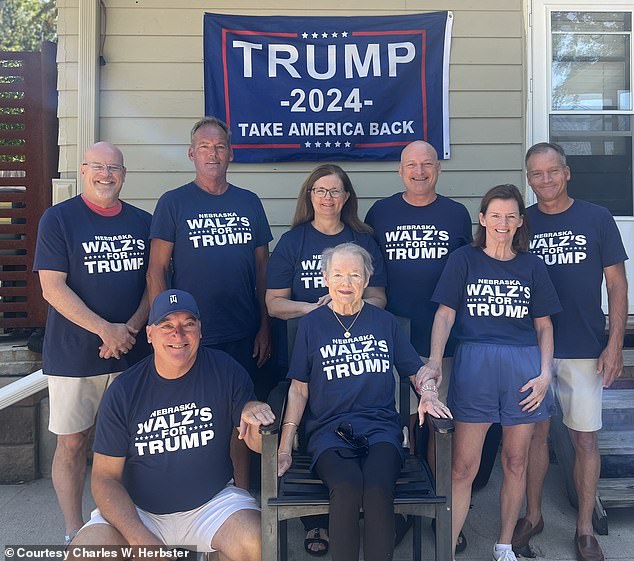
x: 346, y: 330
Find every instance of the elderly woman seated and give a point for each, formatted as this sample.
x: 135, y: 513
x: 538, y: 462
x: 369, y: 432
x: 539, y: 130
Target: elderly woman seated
x: 341, y: 372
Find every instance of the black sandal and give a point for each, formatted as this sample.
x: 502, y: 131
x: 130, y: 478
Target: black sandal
x: 316, y: 539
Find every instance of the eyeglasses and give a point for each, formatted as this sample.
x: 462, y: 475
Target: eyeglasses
x: 359, y: 444
x: 96, y: 166
x: 321, y: 193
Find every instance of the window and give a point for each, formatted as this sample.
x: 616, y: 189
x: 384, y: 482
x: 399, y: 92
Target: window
x: 591, y: 103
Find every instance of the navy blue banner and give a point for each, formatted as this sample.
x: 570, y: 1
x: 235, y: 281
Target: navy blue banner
x: 328, y: 88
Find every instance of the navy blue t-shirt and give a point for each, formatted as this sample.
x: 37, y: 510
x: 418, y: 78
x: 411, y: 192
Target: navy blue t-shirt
x: 576, y: 246
x: 351, y: 379
x: 174, y: 434
x: 416, y: 242
x: 496, y: 301
x: 105, y: 259
x: 215, y: 238
x: 296, y: 260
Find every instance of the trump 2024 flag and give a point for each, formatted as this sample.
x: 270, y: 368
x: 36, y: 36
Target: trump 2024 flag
x: 328, y: 88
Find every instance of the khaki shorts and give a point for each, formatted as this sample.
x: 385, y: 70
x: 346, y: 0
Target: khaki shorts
x: 196, y: 527
x: 447, y: 366
x: 579, y: 390
x: 74, y: 401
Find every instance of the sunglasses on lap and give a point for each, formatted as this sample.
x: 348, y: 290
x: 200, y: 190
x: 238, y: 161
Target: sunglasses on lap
x: 358, y: 445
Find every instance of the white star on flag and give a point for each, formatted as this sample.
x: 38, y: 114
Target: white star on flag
x: 324, y: 35
x: 307, y: 144
x: 315, y: 35
x: 347, y: 145
x: 344, y: 33
x: 304, y: 35
x: 318, y: 144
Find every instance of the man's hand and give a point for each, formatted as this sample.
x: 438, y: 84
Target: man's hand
x: 262, y: 344
x: 118, y: 339
x: 610, y: 365
x: 254, y: 414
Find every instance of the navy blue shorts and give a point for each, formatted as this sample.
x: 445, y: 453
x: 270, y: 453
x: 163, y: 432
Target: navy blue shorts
x: 486, y: 381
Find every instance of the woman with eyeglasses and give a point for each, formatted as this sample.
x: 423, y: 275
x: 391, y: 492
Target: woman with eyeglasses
x: 342, y: 380
x: 326, y: 216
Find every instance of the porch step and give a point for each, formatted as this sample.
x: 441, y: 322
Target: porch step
x: 616, y: 442
x: 617, y: 492
x: 618, y: 409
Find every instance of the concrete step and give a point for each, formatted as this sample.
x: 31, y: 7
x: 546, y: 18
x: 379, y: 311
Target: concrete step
x: 19, y: 368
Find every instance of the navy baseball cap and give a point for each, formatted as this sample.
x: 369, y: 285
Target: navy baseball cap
x: 171, y: 301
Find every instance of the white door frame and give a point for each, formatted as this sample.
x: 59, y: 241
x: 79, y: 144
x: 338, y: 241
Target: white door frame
x: 538, y: 103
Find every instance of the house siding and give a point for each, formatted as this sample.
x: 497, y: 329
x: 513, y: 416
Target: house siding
x: 151, y: 92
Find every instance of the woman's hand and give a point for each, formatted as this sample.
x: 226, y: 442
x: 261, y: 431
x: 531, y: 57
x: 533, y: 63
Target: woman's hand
x: 325, y: 299
x: 284, y: 461
x: 430, y: 373
x: 429, y: 403
x: 539, y: 387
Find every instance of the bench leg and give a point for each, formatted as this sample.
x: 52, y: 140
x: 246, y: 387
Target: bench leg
x: 417, y: 538
x: 284, y: 540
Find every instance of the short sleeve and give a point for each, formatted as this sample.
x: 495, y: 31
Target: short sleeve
x: 544, y: 299
x: 450, y: 287
x: 262, y: 231
x: 379, y: 277
x: 467, y: 230
x: 242, y: 389
x: 163, y: 221
x: 406, y: 359
x: 300, y: 364
x: 51, y: 251
x: 111, y: 435
x: 281, y: 266
x: 369, y: 219
x: 612, y: 249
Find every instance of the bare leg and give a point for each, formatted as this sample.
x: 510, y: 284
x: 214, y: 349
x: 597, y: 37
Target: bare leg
x: 515, y: 444
x: 586, y: 475
x: 536, y: 471
x: 69, y: 474
x: 241, y: 461
x: 95, y: 535
x: 467, y: 451
x: 239, y: 538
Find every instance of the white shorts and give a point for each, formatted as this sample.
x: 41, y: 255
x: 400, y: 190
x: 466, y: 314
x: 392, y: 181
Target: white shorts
x: 74, y: 401
x: 579, y: 390
x: 192, y: 529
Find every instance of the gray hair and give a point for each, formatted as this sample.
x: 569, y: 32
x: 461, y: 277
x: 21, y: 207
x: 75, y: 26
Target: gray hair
x: 542, y: 148
x: 348, y: 248
x: 211, y: 122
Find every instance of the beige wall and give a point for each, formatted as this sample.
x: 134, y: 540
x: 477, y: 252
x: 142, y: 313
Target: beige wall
x: 152, y: 92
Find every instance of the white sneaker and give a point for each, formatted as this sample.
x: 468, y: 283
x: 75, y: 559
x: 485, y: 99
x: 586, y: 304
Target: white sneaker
x: 504, y: 555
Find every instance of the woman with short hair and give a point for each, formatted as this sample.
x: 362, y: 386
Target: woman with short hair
x: 341, y: 375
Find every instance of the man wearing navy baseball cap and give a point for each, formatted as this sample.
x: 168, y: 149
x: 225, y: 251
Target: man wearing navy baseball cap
x: 162, y: 474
